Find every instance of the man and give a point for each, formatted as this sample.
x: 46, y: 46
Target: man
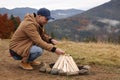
x: 30, y: 39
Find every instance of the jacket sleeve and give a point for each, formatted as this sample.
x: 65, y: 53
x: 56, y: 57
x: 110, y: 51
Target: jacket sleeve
x: 47, y: 38
x: 32, y: 33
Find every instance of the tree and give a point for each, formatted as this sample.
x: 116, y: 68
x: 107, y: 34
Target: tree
x: 7, y: 26
x: 16, y: 21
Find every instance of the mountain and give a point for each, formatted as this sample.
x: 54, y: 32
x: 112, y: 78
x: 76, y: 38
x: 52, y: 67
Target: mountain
x: 110, y: 10
x: 101, y: 23
x: 60, y: 14
x: 17, y: 11
x: 57, y: 14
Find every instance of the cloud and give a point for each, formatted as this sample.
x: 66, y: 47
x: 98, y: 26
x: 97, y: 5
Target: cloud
x: 52, y: 4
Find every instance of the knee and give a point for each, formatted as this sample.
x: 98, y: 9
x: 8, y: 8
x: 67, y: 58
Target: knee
x: 39, y: 51
x: 36, y: 49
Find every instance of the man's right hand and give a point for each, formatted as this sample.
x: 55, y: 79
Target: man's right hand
x: 59, y: 51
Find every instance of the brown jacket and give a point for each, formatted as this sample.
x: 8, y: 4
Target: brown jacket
x: 29, y: 33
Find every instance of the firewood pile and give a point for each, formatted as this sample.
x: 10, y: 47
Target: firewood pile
x: 65, y: 65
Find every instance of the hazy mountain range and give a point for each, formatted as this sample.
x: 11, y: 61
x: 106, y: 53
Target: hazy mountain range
x: 57, y: 14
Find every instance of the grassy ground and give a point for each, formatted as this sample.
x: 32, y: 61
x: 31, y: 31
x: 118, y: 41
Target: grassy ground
x: 103, y: 58
x: 93, y: 53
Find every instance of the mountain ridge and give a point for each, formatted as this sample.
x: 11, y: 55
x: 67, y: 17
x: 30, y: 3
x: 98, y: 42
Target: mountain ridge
x: 55, y: 13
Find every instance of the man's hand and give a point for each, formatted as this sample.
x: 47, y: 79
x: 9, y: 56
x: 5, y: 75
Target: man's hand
x: 54, y: 41
x: 59, y: 51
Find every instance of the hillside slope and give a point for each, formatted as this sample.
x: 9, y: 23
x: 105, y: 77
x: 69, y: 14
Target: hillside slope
x: 101, y: 23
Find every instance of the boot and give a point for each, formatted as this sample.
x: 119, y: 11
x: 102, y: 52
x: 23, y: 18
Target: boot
x: 35, y: 63
x: 26, y: 66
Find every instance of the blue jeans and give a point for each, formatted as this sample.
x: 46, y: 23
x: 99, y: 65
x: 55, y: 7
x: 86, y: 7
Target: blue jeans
x: 35, y: 52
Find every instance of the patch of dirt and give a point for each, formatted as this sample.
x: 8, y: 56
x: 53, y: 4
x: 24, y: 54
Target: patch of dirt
x: 10, y: 70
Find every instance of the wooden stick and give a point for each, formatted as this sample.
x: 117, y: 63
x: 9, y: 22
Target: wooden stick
x: 55, y: 69
x: 67, y: 66
x: 57, y: 62
x: 73, y: 64
x: 64, y: 65
x: 61, y: 63
x: 71, y: 67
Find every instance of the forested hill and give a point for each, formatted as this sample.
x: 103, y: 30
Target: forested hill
x: 101, y: 23
x: 110, y: 10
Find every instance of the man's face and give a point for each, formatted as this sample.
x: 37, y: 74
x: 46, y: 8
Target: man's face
x: 42, y: 20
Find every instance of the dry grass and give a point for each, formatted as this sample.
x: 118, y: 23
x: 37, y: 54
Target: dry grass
x: 83, y: 53
x: 4, y: 43
x: 93, y: 53
x: 87, y: 53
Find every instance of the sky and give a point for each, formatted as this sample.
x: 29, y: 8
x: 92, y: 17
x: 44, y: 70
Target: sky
x: 52, y: 4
